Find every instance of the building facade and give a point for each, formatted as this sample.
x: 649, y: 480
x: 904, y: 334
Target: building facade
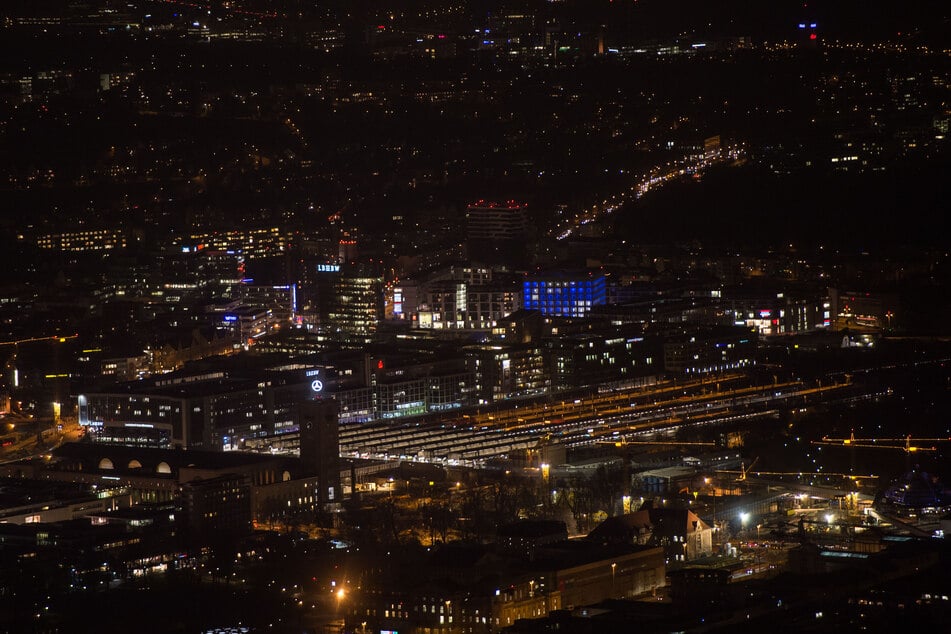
x: 564, y: 295
x: 320, y: 446
x: 496, y: 233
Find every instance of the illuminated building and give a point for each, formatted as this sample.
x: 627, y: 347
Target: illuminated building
x: 347, y: 248
x: 91, y: 240
x: 402, y: 301
x: 863, y: 310
x: 357, y: 303
x: 564, y: 295
x: 317, y: 281
x: 281, y: 300
x: 250, y: 243
x: 913, y: 493
x: 326, y: 39
x: 710, y: 349
x: 392, y: 383
x: 251, y: 398
x: 35, y: 501
x: 508, y: 371
x: 458, y: 305
x: 277, y: 483
x: 217, y: 409
x: 446, y: 592
x: 454, y: 298
x: 195, y: 273
x: 595, y: 358
x: 406, y: 398
x: 409, y: 385
x: 777, y: 313
x: 125, y: 368
x: 173, y: 354
x: 247, y: 323
x: 680, y: 532
x: 396, y: 385
x: 488, y: 304
x: 444, y: 305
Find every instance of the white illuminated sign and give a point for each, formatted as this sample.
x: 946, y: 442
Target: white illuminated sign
x: 316, y: 385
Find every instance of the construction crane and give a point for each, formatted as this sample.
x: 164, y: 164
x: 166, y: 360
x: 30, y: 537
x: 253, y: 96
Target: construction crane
x: 903, y: 444
x: 781, y: 476
x: 801, y: 474
x: 743, y: 472
x: 57, y: 338
x: 678, y: 443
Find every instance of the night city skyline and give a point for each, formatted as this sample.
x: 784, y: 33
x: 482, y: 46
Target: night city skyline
x: 474, y: 316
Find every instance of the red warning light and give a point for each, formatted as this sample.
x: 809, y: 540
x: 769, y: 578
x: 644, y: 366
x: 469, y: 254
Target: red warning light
x: 379, y: 364
x: 812, y: 36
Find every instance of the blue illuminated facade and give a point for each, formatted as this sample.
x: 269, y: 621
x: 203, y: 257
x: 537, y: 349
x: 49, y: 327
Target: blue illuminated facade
x: 564, y: 296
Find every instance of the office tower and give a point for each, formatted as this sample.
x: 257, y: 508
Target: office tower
x: 320, y: 447
x: 357, y: 303
x: 496, y: 233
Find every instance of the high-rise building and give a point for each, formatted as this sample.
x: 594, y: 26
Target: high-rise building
x: 506, y: 371
x: 452, y: 304
x: 320, y: 446
x: 496, y: 233
x: 317, y: 285
x: 357, y: 303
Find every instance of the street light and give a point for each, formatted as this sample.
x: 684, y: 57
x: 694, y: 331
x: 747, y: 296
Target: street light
x: 339, y: 595
x: 613, y: 570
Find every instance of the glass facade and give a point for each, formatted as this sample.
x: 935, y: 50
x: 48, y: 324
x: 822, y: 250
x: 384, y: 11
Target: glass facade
x: 564, y: 297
